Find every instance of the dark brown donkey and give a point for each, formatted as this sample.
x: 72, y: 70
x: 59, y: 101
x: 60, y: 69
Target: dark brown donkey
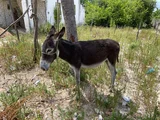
x: 79, y: 54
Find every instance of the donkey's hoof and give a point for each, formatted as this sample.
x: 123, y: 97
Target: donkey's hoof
x: 111, y: 89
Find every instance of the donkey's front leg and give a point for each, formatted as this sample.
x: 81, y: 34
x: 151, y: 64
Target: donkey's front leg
x: 113, y: 74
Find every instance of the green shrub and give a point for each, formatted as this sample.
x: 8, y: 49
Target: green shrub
x: 45, y: 28
x: 118, y: 13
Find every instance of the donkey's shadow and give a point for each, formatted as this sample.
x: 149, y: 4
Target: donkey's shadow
x: 88, y: 91
x: 95, y: 97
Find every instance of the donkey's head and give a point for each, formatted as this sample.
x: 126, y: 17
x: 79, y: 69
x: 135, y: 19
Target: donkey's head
x: 50, y: 48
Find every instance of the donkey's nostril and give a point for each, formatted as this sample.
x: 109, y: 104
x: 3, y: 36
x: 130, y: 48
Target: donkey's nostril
x: 44, y: 65
x: 43, y: 68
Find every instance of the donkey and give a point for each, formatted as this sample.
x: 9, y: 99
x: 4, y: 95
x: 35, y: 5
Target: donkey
x: 79, y: 54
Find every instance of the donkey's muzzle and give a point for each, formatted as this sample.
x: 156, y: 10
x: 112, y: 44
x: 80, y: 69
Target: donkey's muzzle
x: 44, y: 65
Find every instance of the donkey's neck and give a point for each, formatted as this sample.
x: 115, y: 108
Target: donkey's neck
x: 65, y: 50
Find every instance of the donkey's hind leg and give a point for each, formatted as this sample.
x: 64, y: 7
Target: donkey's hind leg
x: 76, y: 74
x: 113, y: 73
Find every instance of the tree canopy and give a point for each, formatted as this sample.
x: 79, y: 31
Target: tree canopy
x: 156, y: 14
x: 119, y: 12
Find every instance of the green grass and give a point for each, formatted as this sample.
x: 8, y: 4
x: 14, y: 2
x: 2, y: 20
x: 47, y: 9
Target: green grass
x: 18, y: 55
x: 139, y: 55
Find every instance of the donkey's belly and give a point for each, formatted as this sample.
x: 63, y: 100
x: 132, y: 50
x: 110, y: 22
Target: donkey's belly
x: 92, y: 65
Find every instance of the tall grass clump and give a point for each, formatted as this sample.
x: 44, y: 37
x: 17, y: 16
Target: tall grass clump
x: 17, y: 55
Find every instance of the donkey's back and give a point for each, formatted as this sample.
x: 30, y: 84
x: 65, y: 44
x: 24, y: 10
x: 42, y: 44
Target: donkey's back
x: 97, y: 51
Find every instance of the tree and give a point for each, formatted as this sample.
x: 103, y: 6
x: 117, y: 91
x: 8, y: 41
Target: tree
x: 149, y: 5
x: 69, y: 17
x: 36, y: 45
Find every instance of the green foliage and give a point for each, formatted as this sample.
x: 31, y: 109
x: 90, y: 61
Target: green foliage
x: 119, y: 12
x: 149, y: 6
x: 57, y: 15
x: 44, y: 29
x: 156, y: 14
x: 96, y: 15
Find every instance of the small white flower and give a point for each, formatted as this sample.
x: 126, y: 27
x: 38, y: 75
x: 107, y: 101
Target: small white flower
x: 100, y: 117
x: 75, y: 116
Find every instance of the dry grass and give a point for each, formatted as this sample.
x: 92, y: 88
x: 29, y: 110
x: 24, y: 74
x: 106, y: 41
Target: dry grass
x: 10, y: 112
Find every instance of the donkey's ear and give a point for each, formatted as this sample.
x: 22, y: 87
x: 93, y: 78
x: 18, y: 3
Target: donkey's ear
x: 52, y: 30
x: 61, y: 33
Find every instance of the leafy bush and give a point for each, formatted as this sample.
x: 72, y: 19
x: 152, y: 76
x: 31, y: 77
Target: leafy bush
x: 156, y: 14
x: 44, y: 29
x: 118, y: 12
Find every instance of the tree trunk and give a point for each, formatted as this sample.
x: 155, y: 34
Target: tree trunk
x: 34, y: 15
x: 157, y: 26
x: 139, y: 27
x: 69, y: 17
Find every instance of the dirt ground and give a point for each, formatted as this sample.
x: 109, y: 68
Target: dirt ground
x: 5, y: 34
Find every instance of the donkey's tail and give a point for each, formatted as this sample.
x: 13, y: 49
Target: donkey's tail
x: 118, y: 49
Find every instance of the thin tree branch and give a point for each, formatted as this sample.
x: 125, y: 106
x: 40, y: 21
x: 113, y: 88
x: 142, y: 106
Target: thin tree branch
x: 15, y: 25
x: 15, y: 21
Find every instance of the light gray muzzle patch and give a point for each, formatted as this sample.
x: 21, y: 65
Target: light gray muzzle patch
x: 44, y: 65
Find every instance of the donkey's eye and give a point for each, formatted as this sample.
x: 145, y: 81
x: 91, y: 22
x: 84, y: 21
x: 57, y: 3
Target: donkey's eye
x: 49, y: 50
